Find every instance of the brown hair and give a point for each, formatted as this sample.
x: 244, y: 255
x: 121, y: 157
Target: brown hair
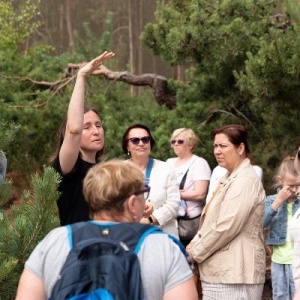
x: 125, y: 136
x: 62, y: 132
x: 108, y: 183
x: 237, y: 134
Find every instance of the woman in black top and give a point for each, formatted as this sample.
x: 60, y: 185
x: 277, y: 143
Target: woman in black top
x: 80, y: 146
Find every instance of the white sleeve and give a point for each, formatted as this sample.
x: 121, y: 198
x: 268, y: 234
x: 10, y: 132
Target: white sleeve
x: 200, y: 170
x: 217, y: 174
x: 258, y: 170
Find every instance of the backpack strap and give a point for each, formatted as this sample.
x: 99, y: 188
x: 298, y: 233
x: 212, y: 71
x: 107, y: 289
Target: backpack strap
x: 132, y: 234
x: 150, y: 230
x: 129, y: 233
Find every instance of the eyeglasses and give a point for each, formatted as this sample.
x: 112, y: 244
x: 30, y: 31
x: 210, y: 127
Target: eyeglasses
x: 136, y: 140
x: 145, y: 191
x: 178, y: 141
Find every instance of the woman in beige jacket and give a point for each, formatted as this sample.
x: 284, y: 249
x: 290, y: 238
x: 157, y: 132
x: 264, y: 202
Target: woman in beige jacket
x: 229, y: 246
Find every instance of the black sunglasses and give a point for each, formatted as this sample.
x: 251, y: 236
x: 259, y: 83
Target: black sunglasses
x: 178, y: 141
x: 145, y: 191
x: 136, y: 140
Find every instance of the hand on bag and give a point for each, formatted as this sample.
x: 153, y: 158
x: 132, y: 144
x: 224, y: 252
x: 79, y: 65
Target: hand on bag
x: 148, y: 210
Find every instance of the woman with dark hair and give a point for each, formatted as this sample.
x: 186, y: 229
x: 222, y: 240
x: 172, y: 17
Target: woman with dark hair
x: 80, y: 146
x: 164, y: 196
x: 229, y: 246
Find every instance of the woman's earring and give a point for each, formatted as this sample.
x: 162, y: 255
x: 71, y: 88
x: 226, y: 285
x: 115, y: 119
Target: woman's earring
x: 128, y: 153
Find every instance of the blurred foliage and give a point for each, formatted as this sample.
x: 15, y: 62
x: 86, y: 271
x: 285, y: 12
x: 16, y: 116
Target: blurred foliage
x: 17, y: 23
x: 245, y: 68
x: 27, y: 225
x: 8, y: 132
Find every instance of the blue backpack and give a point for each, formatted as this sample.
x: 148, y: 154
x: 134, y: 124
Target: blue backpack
x: 102, y: 263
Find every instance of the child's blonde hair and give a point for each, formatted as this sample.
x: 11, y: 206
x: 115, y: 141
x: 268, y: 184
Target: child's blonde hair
x: 286, y: 167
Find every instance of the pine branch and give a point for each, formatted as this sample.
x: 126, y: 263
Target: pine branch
x: 31, y: 221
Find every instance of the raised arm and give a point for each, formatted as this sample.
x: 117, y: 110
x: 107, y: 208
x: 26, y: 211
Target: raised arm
x: 71, y: 145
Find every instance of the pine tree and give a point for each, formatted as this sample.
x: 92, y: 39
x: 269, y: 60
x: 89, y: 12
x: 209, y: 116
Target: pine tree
x: 7, y: 135
x: 27, y: 223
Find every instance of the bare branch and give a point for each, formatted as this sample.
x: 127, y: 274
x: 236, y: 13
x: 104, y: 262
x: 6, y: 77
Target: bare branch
x: 158, y: 83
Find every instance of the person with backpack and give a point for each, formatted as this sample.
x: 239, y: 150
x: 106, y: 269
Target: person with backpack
x: 113, y: 254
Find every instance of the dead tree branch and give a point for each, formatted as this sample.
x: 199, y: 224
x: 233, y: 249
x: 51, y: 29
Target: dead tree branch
x: 158, y: 83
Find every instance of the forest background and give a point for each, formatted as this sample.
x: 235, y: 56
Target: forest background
x: 222, y: 62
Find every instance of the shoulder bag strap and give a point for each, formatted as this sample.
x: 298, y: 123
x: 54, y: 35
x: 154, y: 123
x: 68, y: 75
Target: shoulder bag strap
x: 148, y: 171
x: 181, y: 185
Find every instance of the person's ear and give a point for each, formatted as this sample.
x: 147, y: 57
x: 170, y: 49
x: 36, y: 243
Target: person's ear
x: 280, y: 179
x: 131, y: 203
x: 241, y: 148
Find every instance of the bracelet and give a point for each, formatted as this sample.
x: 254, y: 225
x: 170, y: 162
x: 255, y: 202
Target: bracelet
x: 150, y: 220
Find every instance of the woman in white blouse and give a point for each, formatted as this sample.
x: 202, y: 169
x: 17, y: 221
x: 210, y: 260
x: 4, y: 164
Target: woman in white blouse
x: 164, y: 195
x: 197, y: 170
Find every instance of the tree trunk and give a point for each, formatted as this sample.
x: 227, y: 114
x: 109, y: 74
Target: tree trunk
x: 140, y: 45
x: 69, y: 23
x: 130, y: 41
x: 61, y: 26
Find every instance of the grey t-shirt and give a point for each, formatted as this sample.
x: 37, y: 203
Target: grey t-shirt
x: 163, y: 266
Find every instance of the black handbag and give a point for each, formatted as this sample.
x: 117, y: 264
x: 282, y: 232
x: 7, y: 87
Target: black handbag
x: 187, y: 227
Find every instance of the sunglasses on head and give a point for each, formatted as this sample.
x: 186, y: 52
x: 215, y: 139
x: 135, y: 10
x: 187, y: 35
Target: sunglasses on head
x: 136, y: 140
x: 178, y: 141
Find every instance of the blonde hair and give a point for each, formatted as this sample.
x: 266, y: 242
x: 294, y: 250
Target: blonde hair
x: 286, y: 167
x: 107, y: 184
x: 189, y: 134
